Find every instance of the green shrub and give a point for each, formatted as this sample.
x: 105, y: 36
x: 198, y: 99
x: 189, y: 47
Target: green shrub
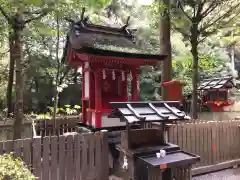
x: 14, y: 169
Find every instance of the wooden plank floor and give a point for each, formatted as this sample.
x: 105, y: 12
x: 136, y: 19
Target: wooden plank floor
x: 228, y: 174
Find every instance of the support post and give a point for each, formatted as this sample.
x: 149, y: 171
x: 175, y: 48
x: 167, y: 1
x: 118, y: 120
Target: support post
x: 134, y: 89
x: 98, y: 100
x: 165, y: 132
x: 124, y: 88
x: 86, y: 80
x: 84, y: 115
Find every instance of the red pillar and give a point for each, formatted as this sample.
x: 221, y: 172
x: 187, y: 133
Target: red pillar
x: 84, y: 115
x: 98, y: 99
x: 134, y: 89
x: 124, y: 86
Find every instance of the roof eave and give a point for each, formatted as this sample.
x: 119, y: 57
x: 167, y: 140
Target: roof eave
x: 99, y: 52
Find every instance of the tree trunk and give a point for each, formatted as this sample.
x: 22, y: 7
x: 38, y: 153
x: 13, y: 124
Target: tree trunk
x: 56, y: 99
x: 75, y: 76
x: 18, y: 55
x: 58, y: 73
x: 165, y: 45
x: 194, y: 51
x: 11, y: 75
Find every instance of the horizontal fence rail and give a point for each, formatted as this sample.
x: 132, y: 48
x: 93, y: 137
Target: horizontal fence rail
x: 78, y: 157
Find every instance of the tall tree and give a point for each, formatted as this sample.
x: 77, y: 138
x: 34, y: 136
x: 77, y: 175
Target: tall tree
x: 165, y: 43
x: 17, y: 20
x: 197, y: 20
x: 10, y: 75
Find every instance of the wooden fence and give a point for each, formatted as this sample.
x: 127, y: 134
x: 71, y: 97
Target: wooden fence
x: 6, y: 130
x: 43, y: 127
x: 79, y: 157
x: 217, y: 143
x: 46, y: 127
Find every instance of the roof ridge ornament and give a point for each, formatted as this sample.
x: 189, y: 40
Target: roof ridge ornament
x: 82, y: 14
x: 127, y: 24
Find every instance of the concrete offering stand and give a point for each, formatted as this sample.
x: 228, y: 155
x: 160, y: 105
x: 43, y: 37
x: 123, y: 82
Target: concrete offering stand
x: 145, y: 154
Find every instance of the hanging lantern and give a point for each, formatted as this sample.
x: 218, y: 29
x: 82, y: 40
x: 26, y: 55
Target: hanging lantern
x: 113, y: 75
x: 104, y: 74
x: 123, y: 76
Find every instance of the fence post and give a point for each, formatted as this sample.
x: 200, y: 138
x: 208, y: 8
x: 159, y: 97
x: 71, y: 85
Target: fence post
x: 104, y: 154
x: 36, y: 157
x: 214, y: 143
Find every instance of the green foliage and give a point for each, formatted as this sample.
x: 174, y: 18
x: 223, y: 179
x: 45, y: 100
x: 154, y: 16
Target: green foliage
x: 98, y: 4
x: 41, y: 64
x: 67, y: 110
x: 209, y: 67
x: 150, y: 83
x: 231, y: 35
x: 14, y: 169
x: 213, y: 60
x: 77, y: 107
x: 3, y: 85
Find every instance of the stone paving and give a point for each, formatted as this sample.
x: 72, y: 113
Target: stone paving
x: 228, y: 174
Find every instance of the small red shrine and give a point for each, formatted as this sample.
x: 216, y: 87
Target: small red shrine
x: 174, y: 90
x: 110, y: 59
x: 215, y: 93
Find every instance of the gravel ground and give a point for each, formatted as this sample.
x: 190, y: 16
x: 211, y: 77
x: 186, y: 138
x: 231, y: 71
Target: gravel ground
x: 228, y: 174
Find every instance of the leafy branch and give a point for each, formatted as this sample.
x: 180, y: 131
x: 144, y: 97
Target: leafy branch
x: 224, y: 16
x: 180, y: 5
x: 41, y: 15
x: 12, y: 20
x: 8, y: 18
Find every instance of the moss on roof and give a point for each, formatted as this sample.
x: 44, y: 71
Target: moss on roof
x: 107, y: 40
x: 126, y: 49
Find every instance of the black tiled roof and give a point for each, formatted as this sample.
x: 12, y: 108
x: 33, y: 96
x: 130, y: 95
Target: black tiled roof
x: 82, y: 35
x: 216, y: 83
x: 156, y: 111
x: 107, y: 41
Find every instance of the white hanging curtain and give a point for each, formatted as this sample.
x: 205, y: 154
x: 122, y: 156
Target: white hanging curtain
x: 113, y: 75
x: 104, y: 74
x: 123, y: 76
